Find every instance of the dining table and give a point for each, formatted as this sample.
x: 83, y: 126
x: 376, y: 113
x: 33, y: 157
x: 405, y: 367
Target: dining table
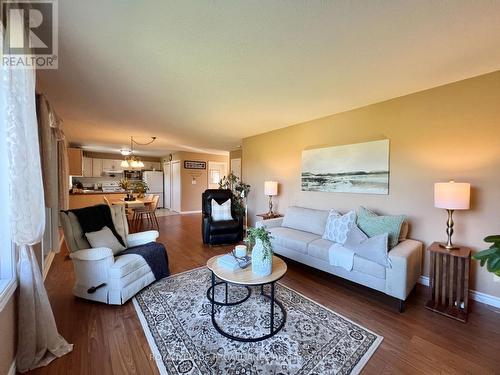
x: 131, y: 208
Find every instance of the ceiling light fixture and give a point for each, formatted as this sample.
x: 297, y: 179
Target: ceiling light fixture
x: 130, y: 160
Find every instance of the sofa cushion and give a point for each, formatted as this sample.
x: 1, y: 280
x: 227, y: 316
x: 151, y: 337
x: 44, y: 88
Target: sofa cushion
x: 319, y: 249
x: 338, y: 226
x: 373, y: 224
x: 73, y: 234
x: 125, y: 264
x: 224, y: 227
x: 292, y: 239
x: 368, y: 267
x: 305, y: 219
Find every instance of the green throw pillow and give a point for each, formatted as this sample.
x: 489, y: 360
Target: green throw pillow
x: 373, y: 225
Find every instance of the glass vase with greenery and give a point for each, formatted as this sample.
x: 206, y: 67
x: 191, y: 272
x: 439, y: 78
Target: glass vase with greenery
x: 264, y: 236
x: 491, y: 256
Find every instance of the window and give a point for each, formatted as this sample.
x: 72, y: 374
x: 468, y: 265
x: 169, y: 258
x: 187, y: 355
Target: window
x: 7, y: 266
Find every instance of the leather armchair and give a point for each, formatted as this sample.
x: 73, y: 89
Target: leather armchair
x: 219, y: 232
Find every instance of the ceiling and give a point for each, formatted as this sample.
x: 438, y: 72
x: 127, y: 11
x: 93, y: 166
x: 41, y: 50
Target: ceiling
x: 202, y: 75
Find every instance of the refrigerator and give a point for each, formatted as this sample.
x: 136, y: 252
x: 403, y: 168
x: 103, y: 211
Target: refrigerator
x: 154, y: 179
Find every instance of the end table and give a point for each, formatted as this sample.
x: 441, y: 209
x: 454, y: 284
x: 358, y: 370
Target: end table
x: 449, y: 281
x: 269, y: 216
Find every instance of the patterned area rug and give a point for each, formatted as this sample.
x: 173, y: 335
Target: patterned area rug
x: 175, y: 315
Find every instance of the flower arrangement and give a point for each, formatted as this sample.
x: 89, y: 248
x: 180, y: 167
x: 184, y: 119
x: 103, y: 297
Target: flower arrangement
x: 141, y: 187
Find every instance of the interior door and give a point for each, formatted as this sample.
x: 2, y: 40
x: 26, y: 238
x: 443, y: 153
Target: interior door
x: 216, y: 171
x: 167, y: 180
x: 236, y: 167
x: 176, y: 186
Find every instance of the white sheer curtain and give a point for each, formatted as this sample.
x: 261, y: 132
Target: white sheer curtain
x: 38, y: 339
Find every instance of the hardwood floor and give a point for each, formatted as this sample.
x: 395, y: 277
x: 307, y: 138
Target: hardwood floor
x: 110, y: 340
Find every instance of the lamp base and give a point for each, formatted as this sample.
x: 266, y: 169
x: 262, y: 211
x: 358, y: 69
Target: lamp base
x: 448, y: 247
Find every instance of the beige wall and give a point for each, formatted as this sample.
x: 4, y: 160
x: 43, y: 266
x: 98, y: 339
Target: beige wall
x: 235, y: 154
x: 7, y: 336
x: 191, y: 194
x: 447, y: 132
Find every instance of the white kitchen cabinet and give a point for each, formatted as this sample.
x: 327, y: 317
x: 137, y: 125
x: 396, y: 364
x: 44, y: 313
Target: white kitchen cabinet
x: 107, y: 165
x: 117, y: 165
x: 96, y: 167
x: 87, y: 167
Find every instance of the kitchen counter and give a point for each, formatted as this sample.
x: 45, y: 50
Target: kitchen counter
x: 93, y: 192
x: 91, y: 198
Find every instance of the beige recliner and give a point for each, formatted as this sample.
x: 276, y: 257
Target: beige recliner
x: 100, y: 276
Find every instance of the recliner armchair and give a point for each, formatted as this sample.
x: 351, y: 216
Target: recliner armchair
x: 99, y: 275
x: 220, y: 232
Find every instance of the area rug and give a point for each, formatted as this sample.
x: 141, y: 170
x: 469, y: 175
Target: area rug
x: 175, y: 315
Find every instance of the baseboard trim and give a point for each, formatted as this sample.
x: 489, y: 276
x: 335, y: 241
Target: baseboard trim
x: 12, y: 369
x: 424, y: 280
x: 190, y: 212
x: 10, y: 288
x: 47, y: 263
x: 487, y: 299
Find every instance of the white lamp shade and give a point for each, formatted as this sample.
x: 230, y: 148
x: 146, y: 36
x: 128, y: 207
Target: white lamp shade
x: 124, y: 164
x: 271, y: 188
x: 452, y: 195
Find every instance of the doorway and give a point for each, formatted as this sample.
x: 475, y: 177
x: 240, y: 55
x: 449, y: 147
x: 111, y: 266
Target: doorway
x: 236, y: 167
x: 175, y: 202
x: 216, y: 170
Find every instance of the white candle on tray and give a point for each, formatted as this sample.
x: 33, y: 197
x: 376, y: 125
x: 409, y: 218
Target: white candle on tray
x: 240, y: 251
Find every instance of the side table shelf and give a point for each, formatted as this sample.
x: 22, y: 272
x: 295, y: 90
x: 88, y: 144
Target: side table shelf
x: 449, y: 281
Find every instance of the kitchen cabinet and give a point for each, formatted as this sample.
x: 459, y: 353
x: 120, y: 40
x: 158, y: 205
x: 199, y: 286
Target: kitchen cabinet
x: 75, y: 161
x: 87, y: 167
x: 110, y: 165
x: 151, y: 165
x: 96, y: 167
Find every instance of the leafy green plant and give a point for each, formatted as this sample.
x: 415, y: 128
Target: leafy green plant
x: 125, y: 184
x: 491, y: 256
x: 239, y: 189
x: 141, y: 187
x: 264, y: 236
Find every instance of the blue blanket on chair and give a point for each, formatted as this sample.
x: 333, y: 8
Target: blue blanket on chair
x: 155, y: 255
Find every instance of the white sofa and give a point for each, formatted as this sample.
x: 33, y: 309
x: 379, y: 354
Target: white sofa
x: 117, y: 278
x: 301, y: 240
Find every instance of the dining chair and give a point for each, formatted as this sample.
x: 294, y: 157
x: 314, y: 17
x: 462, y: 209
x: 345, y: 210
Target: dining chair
x: 149, y: 212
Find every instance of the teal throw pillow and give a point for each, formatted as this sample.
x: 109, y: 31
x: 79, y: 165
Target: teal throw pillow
x: 373, y: 225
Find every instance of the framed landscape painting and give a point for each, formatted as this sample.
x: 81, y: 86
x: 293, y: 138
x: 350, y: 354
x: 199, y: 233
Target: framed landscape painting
x: 354, y: 168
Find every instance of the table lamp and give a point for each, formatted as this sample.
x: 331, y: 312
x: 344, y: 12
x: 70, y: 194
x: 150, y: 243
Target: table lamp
x: 451, y: 196
x: 271, y: 189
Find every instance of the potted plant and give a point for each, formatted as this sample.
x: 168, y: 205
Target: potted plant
x: 141, y: 187
x: 240, y: 192
x: 126, y: 185
x: 262, y: 253
x: 491, y: 256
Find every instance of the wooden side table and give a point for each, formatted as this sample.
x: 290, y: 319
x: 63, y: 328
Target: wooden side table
x: 449, y: 281
x: 267, y: 216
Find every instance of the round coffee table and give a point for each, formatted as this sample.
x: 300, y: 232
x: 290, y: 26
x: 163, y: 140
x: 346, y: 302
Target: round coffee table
x: 245, y: 278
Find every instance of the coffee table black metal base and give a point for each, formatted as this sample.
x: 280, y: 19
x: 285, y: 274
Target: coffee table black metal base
x: 272, y: 330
